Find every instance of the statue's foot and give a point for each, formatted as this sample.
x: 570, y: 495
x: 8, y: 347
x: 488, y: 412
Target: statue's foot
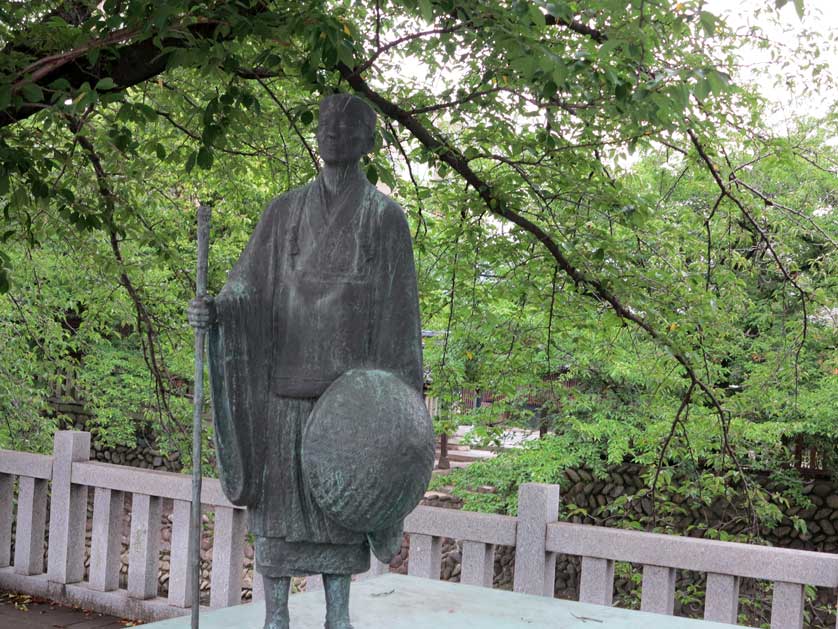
x: 278, y: 620
x: 341, y: 624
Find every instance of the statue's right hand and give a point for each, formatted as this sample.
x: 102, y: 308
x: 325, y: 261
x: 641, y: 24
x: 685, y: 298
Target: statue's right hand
x: 201, y: 312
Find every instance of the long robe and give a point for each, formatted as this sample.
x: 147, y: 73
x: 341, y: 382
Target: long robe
x: 326, y: 284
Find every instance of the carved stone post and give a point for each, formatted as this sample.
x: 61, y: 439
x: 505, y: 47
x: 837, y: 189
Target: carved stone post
x: 535, y: 568
x: 68, y: 509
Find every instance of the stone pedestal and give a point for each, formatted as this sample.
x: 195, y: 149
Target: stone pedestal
x: 402, y: 602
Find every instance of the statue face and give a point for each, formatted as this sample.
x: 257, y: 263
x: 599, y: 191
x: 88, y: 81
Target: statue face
x: 342, y: 137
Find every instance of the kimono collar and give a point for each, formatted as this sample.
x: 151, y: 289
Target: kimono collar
x: 325, y: 207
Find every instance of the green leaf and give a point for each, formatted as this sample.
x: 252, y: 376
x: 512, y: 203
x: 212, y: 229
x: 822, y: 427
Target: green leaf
x: 798, y: 5
x: 550, y: 89
x: 190, y: 162
x: 622, y: 91
x: 5, y: 96
x: 719, y: 81
x: 560, y: 10
x: 147, y: 111
x: 4, y: 182
x: 427, y: 10
x: 40, y: 189
x: 61, y: 84
x: 105, y: 84
x: 708, y: 22
x: 346, y: 55
x: 32, y: 92
x: 372, y: 174
x: 4, y: 281
x: 701, y: 89
x: 211, y: 133
x: 205, y: 157
x: 536, y: 15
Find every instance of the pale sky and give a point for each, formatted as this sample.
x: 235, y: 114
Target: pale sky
x: 820, y: 16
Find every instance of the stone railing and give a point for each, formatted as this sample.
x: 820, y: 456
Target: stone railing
x: 65, y: 479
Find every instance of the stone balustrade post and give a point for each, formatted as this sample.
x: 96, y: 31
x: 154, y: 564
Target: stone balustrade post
x: 106, y: 542
x: 535, y: 568
x: 787, y: 605
x: 227, y: 557
x: 7, y: 487
x: 31, y: 522
x: 68, y: 509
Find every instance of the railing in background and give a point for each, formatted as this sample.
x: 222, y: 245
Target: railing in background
x: 536, y: 535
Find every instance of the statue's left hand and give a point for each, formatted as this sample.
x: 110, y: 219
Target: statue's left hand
x: 201, y: 312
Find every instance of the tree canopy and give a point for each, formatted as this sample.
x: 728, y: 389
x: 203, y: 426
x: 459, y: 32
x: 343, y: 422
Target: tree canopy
x: 599, y: 208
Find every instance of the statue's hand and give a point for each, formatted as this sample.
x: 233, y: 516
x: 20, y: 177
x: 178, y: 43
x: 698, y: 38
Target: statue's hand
x: 201, y: 312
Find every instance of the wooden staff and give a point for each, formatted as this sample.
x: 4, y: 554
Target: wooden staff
x: 198, y: 399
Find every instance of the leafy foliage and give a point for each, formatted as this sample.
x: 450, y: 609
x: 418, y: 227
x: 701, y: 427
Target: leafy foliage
x: 604, y: 219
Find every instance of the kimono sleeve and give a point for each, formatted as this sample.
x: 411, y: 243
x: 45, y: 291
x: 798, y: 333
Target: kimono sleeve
x: 239, y: 362
x: 397, y: 333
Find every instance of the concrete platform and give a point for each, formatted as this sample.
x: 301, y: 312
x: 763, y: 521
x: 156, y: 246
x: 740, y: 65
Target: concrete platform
x: 400, y: 602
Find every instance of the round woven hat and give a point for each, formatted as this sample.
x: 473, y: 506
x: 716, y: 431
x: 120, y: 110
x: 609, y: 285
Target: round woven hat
x: 368, y: 450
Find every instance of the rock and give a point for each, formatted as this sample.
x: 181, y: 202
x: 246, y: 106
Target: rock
x: 832, y: 501
x: 822, y: 513
x: 572, y: 475
x: 822, y: 489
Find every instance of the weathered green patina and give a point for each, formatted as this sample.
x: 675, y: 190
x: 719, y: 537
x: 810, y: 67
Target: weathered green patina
x: 325, y: 286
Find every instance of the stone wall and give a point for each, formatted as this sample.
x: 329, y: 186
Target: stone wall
x: 144, y: 455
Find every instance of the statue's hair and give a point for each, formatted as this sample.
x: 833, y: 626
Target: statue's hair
x: 354, y: 106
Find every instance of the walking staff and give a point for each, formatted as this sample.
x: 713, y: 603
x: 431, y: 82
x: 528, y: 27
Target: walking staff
x: 200, y: 333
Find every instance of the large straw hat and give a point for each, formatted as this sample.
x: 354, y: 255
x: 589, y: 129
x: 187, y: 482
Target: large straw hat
x: 368, y: 450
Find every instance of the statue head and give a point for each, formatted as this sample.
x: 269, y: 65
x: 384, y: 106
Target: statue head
x: 346, y: 130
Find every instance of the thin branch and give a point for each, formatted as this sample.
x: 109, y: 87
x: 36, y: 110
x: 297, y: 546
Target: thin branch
x: 684, y: 404
x: 577, y: 27
x: 710, y: 240
x: 380, y: 50
x: 167, y: 116
x: 459, y: 101
x: 725, y: 190
x: 772, y: 203
x: 293, y: 124
x: 145, y: 324
x: 419, y: 204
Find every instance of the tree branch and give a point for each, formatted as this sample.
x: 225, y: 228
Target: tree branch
x: 499, y: 206
x: 145, y: 323
x: 128, y: 64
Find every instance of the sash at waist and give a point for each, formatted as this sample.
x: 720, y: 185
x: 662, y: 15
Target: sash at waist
x: 295, y: 387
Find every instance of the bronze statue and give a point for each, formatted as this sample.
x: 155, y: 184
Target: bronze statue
x: 325, y: 288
